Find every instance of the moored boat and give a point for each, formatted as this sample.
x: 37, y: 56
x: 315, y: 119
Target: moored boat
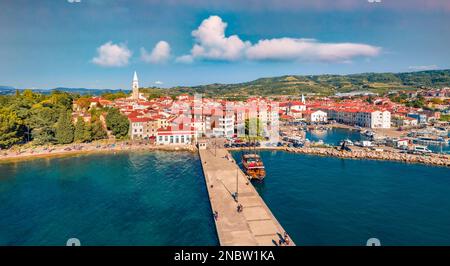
x: 253, y: 166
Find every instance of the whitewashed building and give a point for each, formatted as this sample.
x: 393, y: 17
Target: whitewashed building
x: 176, y: 136
x: 315, y: 116
x: 363, y: 118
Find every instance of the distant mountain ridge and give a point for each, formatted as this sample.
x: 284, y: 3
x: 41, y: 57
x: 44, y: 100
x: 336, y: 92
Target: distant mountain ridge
x: 326, y: 84
x: 7, y: 90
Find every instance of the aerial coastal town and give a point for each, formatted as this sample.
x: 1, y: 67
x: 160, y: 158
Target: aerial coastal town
x: 197, y: 125
x: 389, y: 128
x: 187, y: 118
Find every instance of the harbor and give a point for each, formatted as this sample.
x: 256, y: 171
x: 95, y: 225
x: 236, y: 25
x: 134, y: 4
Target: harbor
x: 363, y: 154
x: 139, y: 194
x: 330, y: 201
x: 228, y: 187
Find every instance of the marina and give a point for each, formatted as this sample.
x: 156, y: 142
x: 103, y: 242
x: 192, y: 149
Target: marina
x: 335, y: 136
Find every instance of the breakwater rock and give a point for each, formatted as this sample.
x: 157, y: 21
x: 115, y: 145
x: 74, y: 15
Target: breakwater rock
x: 432, y: 159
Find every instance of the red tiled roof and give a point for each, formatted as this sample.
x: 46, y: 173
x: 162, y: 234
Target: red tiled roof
x: 179, y: 130
x: 139, y: 119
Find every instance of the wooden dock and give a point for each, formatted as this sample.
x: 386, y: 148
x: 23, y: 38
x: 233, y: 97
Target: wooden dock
x: 255, y: 225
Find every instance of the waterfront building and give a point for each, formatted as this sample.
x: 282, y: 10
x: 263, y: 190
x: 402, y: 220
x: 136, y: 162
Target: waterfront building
x: 137, y: 127
x: 401, y: 143
x: 143, y: 127
x: 374, y: 119
x: 292, y: 105
x: 163, y: 119
x: 401, y: 121
x: 219, y: 122
x: 151, y: 128
x: 176, y: 136
x: 421, y: 118
x: 317, y: 116
x: 361, y: 117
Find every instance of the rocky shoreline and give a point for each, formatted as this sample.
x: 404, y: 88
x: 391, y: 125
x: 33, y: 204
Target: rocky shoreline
x: 432, y: 159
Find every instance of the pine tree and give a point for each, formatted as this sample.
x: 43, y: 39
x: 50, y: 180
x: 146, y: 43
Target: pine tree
x: 10, y: 128
x: 64, y: 128
x: 87, y: 136
x: 80, y: 128
x: 98, y: 132
x: 117, y: 123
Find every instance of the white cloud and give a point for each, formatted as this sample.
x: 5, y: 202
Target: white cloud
x: 421, y: 68
x: 211, y: 43
x: 308, y: 50
x: 159, y: 82
x: 185, y: 59
x: 112, y: 55
x: 159, y: 54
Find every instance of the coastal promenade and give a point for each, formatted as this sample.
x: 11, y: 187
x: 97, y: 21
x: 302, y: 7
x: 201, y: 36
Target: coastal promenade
x: 255, y: 225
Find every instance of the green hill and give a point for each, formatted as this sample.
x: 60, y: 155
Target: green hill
x: 318, y: 84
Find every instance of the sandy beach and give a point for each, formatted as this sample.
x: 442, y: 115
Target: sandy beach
x: 16, y: 154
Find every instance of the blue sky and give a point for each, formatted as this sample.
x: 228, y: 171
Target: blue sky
x: 99, y: 43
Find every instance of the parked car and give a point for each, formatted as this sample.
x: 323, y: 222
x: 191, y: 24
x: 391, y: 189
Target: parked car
x: 421, y: 149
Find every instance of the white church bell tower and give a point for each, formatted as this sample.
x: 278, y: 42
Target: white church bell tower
x: 135, y: 87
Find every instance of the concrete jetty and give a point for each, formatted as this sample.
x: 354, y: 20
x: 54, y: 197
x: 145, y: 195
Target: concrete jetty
x: 255, y: 225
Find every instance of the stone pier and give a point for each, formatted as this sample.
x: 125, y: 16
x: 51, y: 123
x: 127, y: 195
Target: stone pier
x: 255, y: 225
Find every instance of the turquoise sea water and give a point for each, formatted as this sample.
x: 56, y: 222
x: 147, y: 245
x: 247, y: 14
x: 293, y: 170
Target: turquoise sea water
x: 334, y: 136
x: 332, y: 201
x: 156, y: 198
x: 160, y: 198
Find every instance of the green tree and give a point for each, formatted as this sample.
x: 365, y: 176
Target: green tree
x: 111, y: 96
x: 10, y: 128
x: 117, y: 123
x: 61, y: 100
x: 83, y: 102
x: 97, y: 130
x: 80, y: 130
x: 253, y: 125
x: 42, y: 123
x: 87, y: 136
x: 437, y: 101
x: 64, y: 128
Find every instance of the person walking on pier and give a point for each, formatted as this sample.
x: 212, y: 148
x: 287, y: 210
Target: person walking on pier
x: 216, y: 215
x: 286, y: 238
